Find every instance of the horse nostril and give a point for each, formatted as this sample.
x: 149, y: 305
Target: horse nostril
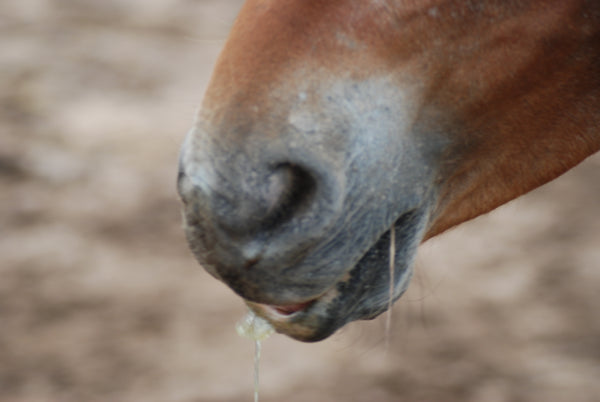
x: 294, y: 191
x: 252, y: 205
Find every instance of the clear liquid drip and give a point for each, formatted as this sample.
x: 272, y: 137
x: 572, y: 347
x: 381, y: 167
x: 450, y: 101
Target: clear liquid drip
x: 256, y: 329
x: 257, y: 347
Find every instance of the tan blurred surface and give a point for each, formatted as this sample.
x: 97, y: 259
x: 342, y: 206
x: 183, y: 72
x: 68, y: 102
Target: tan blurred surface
x: 101, y: 301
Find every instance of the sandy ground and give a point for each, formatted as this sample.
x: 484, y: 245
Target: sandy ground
x: 100, y: 299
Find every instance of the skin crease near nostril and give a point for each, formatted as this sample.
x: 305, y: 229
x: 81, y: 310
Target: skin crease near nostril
x: 252, y: 262
x: 252, y: 251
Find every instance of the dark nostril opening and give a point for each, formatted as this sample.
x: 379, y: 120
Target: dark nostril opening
x: 296, y: 195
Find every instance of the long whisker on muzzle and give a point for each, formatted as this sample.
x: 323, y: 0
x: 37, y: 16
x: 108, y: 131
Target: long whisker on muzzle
x: 388, y: 318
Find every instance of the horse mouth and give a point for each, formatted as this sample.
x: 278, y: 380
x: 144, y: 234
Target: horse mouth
x: 362, y: 293
x: 317, y: 319
x: 288, y: 310
x: 307, y: 321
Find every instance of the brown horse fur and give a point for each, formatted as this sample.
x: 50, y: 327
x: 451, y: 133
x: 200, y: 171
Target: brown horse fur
x: 327, y: 122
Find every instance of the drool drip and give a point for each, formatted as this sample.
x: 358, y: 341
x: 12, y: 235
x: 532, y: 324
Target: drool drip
x: 257, y: 347
x: 256, y: 329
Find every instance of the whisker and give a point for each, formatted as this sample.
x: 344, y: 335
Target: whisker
x: 388, y: 318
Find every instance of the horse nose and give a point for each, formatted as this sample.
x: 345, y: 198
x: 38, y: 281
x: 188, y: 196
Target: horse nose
x: 251, y: 202
x: 252, y: 214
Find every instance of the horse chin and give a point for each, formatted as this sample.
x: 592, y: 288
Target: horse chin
x: 363, y: 293
x: 321, y: 317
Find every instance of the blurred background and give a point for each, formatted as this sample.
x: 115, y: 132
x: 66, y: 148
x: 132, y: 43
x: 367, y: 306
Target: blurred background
x: 100, y: 299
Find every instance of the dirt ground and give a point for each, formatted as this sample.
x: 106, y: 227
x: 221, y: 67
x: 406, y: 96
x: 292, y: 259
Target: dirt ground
x: 100, y: 299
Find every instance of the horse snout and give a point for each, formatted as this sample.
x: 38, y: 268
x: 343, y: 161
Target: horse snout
x: 248, y: 220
